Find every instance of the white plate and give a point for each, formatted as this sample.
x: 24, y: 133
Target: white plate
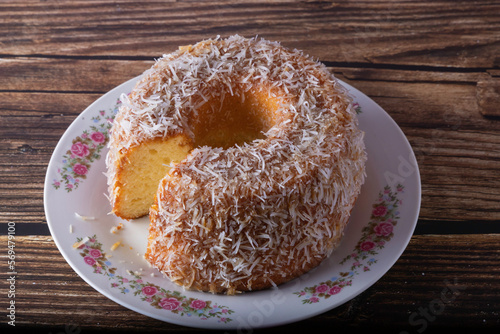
x: 380, y: 228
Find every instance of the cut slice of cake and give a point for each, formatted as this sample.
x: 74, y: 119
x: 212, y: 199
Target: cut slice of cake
x: 138, y: 170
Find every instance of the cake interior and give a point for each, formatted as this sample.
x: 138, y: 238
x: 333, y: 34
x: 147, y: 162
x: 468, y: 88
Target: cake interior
x: 145, y: 165
x: 230, y: 120
x: 224, y: 121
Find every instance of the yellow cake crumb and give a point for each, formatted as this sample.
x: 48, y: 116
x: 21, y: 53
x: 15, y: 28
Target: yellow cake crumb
x: 115, y: 245
x: 81, y: 242
x: 115, y: 229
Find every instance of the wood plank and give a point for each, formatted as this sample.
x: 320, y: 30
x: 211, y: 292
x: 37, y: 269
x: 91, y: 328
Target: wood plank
x: 67, y: 75
x: 457, y: 148
x: 49, y: 292
x: 488, y: 95
x: 422, y: 33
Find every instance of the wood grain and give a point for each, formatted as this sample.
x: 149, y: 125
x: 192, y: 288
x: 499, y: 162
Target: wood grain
x: 67, y: 75
x: 488, y: 95
x: 435, y: 33
x: 434, y: 66
x: 47, y: 288
x: 458, y: 150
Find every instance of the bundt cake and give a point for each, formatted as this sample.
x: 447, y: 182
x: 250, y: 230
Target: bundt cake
x: 247, y: 156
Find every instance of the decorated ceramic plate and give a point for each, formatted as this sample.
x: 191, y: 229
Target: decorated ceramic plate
x: 107, y: 252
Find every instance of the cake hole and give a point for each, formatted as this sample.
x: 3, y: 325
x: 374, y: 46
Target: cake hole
x: 235, y: 119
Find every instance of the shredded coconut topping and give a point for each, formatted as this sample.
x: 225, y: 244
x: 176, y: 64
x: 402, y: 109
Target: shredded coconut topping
x: 257, y: 214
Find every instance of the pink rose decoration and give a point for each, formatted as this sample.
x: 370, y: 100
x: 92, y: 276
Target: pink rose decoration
x: 322, y: 288
x: 149, y: 290
x: 80, y: 169
x: 169, y: 303
x: 80, y: 149
x: 367, y: 245
x: 89, y: 260
x: 314, y: 299
x: 383, y: 229
x: 380, y: 211
x: 95, y: 253
x: 98, y: 137
x: 333, y: 291
x: 198, y: 304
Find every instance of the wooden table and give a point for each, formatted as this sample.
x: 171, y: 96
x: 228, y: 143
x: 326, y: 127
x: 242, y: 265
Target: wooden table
x: 433, y: 66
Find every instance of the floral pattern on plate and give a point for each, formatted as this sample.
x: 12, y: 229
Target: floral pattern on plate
x: 374, y: 236
x: 85, y: 149
x: 357, y: 108
x: 158, y: 297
